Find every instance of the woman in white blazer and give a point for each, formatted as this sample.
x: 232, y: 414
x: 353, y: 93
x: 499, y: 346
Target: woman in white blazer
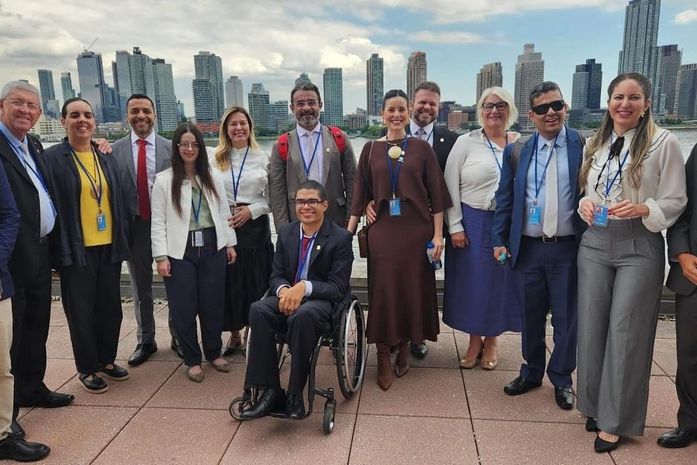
x: 191, y: 242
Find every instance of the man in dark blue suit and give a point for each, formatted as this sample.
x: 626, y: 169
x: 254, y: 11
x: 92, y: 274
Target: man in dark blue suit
x: 310, y: 275
x: 537, y: 226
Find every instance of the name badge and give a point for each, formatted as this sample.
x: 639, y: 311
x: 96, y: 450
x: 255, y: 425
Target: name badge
x: 101, y: 222
x: 395, y: 207
x: 600, y: 216
x: 197, y: 239
x: 535, y: 215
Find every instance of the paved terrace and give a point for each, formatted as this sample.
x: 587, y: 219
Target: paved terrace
x: 436, y: 414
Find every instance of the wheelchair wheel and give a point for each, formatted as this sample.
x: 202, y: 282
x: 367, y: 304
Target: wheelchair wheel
x: 351, y: 349
x: 239, y: 405
x: 329, y: 411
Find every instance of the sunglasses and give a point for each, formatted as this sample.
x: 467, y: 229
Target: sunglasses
x: 542, y: 109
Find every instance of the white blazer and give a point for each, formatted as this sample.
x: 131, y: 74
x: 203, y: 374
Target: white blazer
x: 169, y: 232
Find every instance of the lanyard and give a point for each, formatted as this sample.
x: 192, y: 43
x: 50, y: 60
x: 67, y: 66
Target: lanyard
x: 95, y: 183
x: 314, y: 151
x: 197, y: 211
x: 304, y: 255
x: 538, y: 186
x: 493, y: 152
x: 394, y: 175
x: 608, y: 183
x: 236, y: 184
x: 21, y: 156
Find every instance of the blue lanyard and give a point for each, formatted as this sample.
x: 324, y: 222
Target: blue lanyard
x: 394, y: 175
x: 314, y: 151
x: 608, y: 183
x: 20, y: 154
x: 93, y: 182
x: 236, y: 185
x: 304, y: 258
x: 493, y: 152
x: 197, y: 211
x: 538, y: 186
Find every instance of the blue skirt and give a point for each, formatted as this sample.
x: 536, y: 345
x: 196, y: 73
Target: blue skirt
x: 481, y: 297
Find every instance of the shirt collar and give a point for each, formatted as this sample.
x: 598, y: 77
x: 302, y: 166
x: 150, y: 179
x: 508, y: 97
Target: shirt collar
x: 561, y: 139
x: 302, y: 131
x: 413, y: 127
x: 150, y: 139
x: 16, y: 143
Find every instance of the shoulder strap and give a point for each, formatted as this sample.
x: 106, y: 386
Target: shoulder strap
x: 283, y: 146
x: 339, y: 139
x: 515, y: 154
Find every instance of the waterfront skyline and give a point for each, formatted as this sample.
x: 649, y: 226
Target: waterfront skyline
x: 458, y: 39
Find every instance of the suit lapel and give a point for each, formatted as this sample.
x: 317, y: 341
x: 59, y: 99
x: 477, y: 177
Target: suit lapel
x: 320, y: 241
x: 294, y: 244
x: 295, y: 155
x: 523, y: 167
x: 574, y: 153
x: 327, y: 145
x: 10, y: 155
x: 128, y: 149
x: 160, y: 155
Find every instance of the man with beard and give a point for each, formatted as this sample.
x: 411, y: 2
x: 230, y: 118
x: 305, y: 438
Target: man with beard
x: 311, y: 153
x: 139, y: 156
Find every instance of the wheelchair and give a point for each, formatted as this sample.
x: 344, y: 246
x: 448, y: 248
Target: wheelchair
x: 347, y: 344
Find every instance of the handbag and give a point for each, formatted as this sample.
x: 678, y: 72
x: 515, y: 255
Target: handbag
x: 363, y: 232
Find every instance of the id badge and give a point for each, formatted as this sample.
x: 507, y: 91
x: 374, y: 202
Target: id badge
x: 395, y: 207
x: 534, y: 215
x: 101, y: 222
x: 600, y: 216
x: 197, y: 239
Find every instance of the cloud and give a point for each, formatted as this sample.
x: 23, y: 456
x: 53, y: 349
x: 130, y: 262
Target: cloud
x: 686, y: 17
x: 446, y: 37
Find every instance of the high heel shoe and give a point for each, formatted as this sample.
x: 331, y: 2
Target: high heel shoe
x: 601, y: 445
x: 402, y: 364
x: 489, y: 362
x: 468, y: 363
x: 384, y: 369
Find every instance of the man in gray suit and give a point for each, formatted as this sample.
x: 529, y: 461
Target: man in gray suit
x: 139, y: 156
x: 313, y: 154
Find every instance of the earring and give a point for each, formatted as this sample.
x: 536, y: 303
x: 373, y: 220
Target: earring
x: 642, y: 114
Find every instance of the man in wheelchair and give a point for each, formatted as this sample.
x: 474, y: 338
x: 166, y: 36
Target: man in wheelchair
x: 310, y: 275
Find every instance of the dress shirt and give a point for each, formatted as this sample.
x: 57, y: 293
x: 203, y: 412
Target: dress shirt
x: 303, y: 275
x: 565, y: 191
x: 318, y: 162
x: 662, y: 186
x: 46, y: 208
x: 150, y: 160
x: 428, y: 129
x: 254, y: 182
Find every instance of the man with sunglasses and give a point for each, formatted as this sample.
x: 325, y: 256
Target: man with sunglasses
x: 310, y: 275
x: 536, y: 225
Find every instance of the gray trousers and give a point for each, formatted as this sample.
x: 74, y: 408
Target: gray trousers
x: 620, y: 279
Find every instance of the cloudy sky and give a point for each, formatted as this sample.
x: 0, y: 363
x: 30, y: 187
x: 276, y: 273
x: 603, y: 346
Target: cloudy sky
x: 273, y: 41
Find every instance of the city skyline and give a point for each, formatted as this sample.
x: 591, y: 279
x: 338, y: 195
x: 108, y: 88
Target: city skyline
x: 457, y: 44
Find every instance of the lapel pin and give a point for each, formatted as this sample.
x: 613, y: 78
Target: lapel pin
x: 327, y: 149
x: 442, y: 140
x: 318, y: 247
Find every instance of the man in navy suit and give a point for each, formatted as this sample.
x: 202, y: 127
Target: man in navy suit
x: 310, y: 275
x: 537, y: 226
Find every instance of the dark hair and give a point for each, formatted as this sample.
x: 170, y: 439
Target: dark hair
x: 543, y: 88
x: 64, y: 109
x: 202, y: 167
x: 427, y: 85
x: 312, y: 185
x: 394, y: 93
x: 140, y: 96
x: 305, y: 86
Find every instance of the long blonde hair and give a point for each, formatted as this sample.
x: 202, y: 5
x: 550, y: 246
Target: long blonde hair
x: 222, y: 151
x: 641, y: 142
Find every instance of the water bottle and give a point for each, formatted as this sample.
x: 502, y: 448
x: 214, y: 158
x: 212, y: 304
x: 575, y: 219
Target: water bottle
x: 436, y: 264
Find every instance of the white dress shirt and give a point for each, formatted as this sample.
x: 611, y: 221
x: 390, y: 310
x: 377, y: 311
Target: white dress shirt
x: 428, y: 129
x: 316, y: 135
x: 254, y: 182
x: 150, y: 160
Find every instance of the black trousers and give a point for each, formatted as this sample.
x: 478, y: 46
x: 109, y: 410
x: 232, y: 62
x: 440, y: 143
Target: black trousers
x: 302, y: 330
x: 92, y: 302
x: 196, y: 287
x: 686, y: 378
x: 31, y: 315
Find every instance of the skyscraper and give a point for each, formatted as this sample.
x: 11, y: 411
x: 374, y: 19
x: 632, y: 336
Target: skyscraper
x: 121, y: 71
x: 165, y: 100
x: 587, y: 86
x: 259, y: 106
x: 491, y: 75
x: 48, y: 93
x: 686, y: 92
x: 416, y: 71
x: 141, y: 73
x: 278, y: 116
x: 90, y: 73
x: 669, y: 61
x: 303, y: 79
x: 234, y: 92
x: 375, y: 84
x: 333, y: 97
x: 529, y: 72
x: 209, y: 99
x: 67, y: 86
x: 639, y: 53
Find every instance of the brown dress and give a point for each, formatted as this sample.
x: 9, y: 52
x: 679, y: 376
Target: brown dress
x: 402, y: 284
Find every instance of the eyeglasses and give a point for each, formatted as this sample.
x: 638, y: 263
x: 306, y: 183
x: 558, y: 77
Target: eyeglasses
x: 542, y: 109
x: 309, y: 202
x: 188, y: 145
x: 500, y: 106
x: 20, y: 103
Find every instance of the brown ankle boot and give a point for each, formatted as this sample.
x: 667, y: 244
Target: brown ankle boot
x: 402, y: 364
x: 384, y: 369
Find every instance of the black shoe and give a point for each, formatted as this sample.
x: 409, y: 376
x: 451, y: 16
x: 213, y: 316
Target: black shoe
x: 419, y: 350
x: 51, y: 399
x: 601, y: 445
x: 93, y: 383
x: 564, y: 397
x: 142, y: 353
x: 21, y: 450
x: 116, y: 372
x: 16, y: 431
x: 592, y: 425
x: 677, y: 438
x: 295, y: 407
x: 519, y: 386
x: 264, y: 405
x: 177, y: 348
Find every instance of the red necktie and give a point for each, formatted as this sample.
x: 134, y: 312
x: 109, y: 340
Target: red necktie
x: 142, y: 182
x: 305, y: 245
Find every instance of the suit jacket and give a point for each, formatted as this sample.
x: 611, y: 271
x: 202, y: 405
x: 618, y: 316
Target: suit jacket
x: 443, y: 141
x: 331, y: 259
x: 9, y: 225
x: 123, y: 155
x: 337, y: 170
x: 682, y: 236
x: 507, y: 225
x: 24, y: 263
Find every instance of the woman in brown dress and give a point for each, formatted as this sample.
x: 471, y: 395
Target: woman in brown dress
x: 401, y: 175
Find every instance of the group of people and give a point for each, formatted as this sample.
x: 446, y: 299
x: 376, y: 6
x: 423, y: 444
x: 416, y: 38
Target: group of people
x: 549, y: 222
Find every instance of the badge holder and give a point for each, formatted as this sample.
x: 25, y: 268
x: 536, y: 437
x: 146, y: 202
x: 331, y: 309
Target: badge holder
x: 101, y: 221
x: 197, y: 238
x: 395, y: 207
x: 535, y: 215
x: 600, y: 215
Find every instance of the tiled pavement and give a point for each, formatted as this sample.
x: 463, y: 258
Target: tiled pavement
x: 436, y: 414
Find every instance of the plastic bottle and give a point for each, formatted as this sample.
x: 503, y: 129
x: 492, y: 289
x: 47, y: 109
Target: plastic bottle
x: 436, y: 264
